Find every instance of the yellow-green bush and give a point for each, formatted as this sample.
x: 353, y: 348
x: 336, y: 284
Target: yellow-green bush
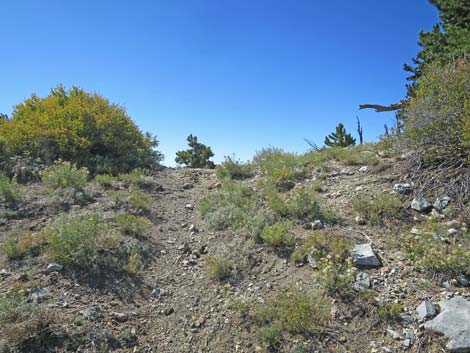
x: 279, y: 235
x: 27, y: 327
x: 434, y: 250
x: 84, y: 128
x: 62, y: 175
x: 76, y: 240
x: 133, y: 225
x: 301, y: 203
x: 218, y: 267
x: 233, y: 169
x: 295, y: 312
x: 134, y: 201
x: 437, y: 118
x: 356, y: 155
x: 277, y: 166
x: 19, y: 244
x: 378, y: 209
x: 105, y: 180
x: 10, y: 192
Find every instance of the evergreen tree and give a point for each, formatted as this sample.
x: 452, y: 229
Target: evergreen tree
x: 198, y: 156
x: 448, y: 40
x: 340, y: 138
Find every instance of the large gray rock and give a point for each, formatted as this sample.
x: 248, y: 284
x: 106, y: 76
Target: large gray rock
x: 364, y: 256
x: 420, y: 204
x: 454, y: 323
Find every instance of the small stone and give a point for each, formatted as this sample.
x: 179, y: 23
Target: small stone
x: 362, y: 282
x: 360, y: 220
x: 409, y: 334
x: 394, y: 334
x: 55, y: 267
x: 364, y: 256
x: 38, y: 295
x: 92, y: 313
x: 441, y: 203
x: 121, y: 317
x: 463, y: 281
x: 192, y: 228
x: 426, y: 310
x: 403, y: 188
x: 187, y: 186
x: 317, y: 224
x: 168, y: 311
x: 188, y: 206
x: 452, y: 231
x: 406, y: 343
x: 364, y: 169
x: 420, y: 204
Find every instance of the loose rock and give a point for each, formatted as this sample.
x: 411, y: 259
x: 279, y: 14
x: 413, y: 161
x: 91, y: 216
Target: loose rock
x: 364, y: 256
x: 426, y: 310
x: 454, y: 323
x: 420, y: 204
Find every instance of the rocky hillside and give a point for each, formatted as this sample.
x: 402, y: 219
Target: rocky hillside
x: 339, y: 255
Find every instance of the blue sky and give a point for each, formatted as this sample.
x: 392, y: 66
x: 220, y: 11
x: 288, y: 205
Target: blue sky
x: 239, y: 74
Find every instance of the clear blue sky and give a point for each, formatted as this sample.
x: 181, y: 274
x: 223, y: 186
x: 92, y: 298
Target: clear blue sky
x: 239, y: 74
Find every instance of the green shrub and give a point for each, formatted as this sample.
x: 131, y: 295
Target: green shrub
x: 229, y: 207
x: 197, y: 156
x: 297, y: 312
x: 378, y: 209
x: 134, y: 201
x: 232, y: 169
x: 278, y: 166
x: 336, y: 276
x: 279, y: 235
x: 10, y: 192
x: 105, y: 180
x: 302, y: 203
x: 389, y: 312
x: 433, y: 250
x: 320, y: 244
x: 27, y: 327
x: 134, y: 263
x: 270, y: 337
x: 357, y: 155
x: 64, y: 175
x: 133, y: 225
x: 80, y: 127
x: 218, y: 267
x: 76, y: 240
x: 141, y: 178
x: 438, y: 115
x: 19, y: 244
x: 330, y: 254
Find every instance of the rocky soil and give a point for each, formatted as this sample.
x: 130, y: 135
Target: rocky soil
x: 173, y: 306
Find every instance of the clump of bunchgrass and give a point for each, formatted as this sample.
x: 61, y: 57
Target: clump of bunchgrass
x: 218, y: 267
x: 133, y: 225
x: 378, y: 209
x: 232, y: 169
x: 63, y: 174
x: 279, y: 236
x: 10, y: 192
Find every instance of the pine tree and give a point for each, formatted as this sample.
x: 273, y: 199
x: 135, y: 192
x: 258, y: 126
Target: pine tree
x: 340, y: 138
x: 448, y: 40
x: 197, y: 156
